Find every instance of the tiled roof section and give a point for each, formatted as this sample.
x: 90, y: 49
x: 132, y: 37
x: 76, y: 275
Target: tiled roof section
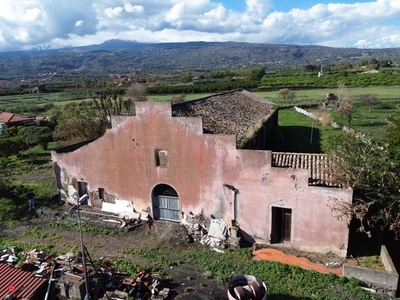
x: 318, y: 166
x: 25, y: 284
x: 6, y: 117
x: 235, y: 113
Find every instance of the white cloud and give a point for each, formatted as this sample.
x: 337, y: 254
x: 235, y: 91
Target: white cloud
x: 21, y: 34
x: 133, y: 8
x: 79, y: 23
x: 113, y: 12
x: 176, y: 13
x: 32, y: 14
x: 30, y: 23
x: 257, y: 7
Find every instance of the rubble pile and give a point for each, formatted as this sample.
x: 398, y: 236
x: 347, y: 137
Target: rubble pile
x: 126, y: 222
x: 217, y: 236
x: 67, y: 278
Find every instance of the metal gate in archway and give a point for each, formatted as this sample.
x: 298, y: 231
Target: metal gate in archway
x: 166, y: 205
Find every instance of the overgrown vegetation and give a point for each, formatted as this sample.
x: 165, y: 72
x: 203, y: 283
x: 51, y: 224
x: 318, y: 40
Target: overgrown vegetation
x: 372, y: 169
x: 282, y: 280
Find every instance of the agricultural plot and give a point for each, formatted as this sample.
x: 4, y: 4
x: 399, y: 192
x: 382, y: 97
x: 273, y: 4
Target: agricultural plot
x: 383, y: 93
x: 26, y: 103
x: 370, y: 121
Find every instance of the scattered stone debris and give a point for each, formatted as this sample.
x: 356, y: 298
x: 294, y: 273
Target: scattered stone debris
x: 126, y: 221
x: 66, y: 277
x: 216, y: 235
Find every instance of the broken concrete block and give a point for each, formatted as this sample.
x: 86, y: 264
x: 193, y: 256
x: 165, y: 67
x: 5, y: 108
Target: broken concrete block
x: 144, y: 216
x: 130, y: 215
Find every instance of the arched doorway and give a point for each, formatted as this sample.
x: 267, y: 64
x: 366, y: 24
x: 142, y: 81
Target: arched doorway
x: 166, y: 205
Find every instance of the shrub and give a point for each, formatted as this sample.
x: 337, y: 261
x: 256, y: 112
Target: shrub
x: 385, y: 105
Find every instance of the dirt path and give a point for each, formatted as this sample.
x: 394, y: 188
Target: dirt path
x: 302, y: 262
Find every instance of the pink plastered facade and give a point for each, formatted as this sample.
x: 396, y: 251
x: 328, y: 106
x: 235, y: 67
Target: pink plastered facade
x: 209, y: 176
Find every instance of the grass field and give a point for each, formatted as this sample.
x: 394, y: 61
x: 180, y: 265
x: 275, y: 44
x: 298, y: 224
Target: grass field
x: 372, y: 123
x: 383, y: 93
x: 298, y: 133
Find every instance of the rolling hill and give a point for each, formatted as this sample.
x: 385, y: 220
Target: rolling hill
x: 118, y: 56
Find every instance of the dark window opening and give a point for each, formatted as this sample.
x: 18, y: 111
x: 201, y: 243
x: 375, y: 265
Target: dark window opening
x: 82, y: 188
x: 101, y: 193
x: 163, y: 189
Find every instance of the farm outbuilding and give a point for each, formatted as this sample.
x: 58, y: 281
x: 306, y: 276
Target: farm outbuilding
x: 209, y: 156
x: 8, y: 119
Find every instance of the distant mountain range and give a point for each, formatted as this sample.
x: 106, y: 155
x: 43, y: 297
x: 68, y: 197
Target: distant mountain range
x: 119, y: 56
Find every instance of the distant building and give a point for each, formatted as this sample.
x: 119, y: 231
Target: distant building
x: 6, y: 84
x: 8, y: 119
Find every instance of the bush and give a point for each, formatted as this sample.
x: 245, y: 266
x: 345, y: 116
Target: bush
x: 385, y: 105
x: 53, y: 145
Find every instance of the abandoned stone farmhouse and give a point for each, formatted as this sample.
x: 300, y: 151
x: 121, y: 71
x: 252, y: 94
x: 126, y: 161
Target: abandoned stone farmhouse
x: 208, y: 156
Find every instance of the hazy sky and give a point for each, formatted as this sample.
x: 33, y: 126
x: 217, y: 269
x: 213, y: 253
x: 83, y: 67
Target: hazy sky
x: 366, y: 24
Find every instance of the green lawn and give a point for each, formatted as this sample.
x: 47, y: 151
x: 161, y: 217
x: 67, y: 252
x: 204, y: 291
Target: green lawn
x: 298, y: 133
x: 368, y: 122
x: 383, y: 93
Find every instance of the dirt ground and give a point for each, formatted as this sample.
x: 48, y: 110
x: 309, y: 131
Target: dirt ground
x: 186, y: 283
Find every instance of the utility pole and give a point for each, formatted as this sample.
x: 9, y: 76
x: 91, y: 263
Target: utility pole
x: 76, y: 207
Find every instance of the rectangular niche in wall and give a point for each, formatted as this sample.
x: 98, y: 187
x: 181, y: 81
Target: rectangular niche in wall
x: 161, y: 156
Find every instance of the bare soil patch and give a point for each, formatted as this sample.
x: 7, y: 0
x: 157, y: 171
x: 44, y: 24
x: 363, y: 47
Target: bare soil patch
x: 185, y: 281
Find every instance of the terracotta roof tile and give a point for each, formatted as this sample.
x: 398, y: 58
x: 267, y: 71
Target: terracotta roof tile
x: 6, y: 117
x: 318, y: 166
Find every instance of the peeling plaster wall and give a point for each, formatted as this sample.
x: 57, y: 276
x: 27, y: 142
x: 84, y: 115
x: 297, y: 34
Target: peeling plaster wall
x: 122, y: 162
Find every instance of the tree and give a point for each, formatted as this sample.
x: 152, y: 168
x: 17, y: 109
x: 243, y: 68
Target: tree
x: 291, y: 96
x: 35, y: 135
x: 393, y: 136
x: 369, y: 169
x: 346, y: 107
x: 104, y: 106
x: 386, y: 63
x: 373, y: 171
x: 11, y: 146
x: 286, y: 94
x: 368, y: 100
x: 371, y: 63
x: 185, y: 78
x: 255, y: 74
x: 178, y: 98
x: 76, y: 125
x: 310, y: 68
x: 137, y: 92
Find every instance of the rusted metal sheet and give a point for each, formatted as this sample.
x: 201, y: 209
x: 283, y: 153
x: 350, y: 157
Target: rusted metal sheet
x: 20, y: 283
